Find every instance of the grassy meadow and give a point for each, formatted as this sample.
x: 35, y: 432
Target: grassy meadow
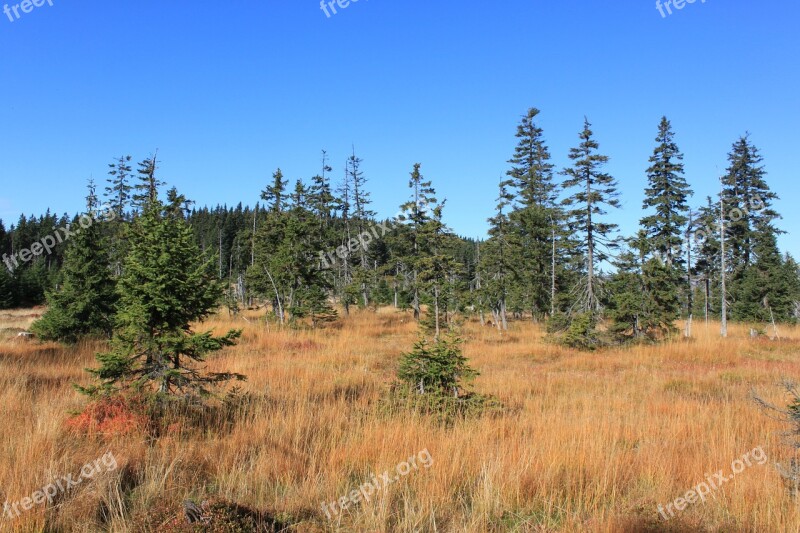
x: 586, y: 442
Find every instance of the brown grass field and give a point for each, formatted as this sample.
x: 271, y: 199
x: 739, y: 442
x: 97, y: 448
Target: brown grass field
x: 588, y: 442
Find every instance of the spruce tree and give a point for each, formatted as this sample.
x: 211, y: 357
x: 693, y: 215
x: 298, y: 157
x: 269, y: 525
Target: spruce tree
x: 118, y: 191
x: 667, y: 194
x: 363, y: 277
x: 753, y: 259
x: 437, y: 368
x: 416, y: 213
x: 309, y: 290
x: 593, y: 191
x: 146, y: 190
x: 436, y: 267
x: 627, y: 302
x: 84, y: 304
x: 535, y: 219
x: 499, y: 263
x: 167, y: 285
x: 274, y: 195
x: 705, y: 237
x: 118, y: 195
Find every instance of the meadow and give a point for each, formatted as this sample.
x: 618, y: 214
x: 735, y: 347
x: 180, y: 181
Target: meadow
x: 585, y: 442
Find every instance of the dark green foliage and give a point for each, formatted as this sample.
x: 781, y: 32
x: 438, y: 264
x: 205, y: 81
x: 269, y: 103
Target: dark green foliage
x: 593, y: 191
x: 433, y: 380
x: 535, y: 219
x: 582, y: 332
x: 759, y: 290
x: 287, y: 267
x: 643, y: 304
x: 6, y: 289
x: 166, y: 286
x: 118, y: 191
x: 84, y: 304
x: 591, y: 240
x: 499, y: 261
x: 437, y: 368
x: 667, y: 194
x: 308, y: 248
x: 416, y: 214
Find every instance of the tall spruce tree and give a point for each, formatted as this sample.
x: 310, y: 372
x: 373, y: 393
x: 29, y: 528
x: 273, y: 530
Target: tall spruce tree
x: 535, y: 218
x: 667, y: 195
x: 436, y: 265
x: 416, y: 213
x: 753, y: 259
x: 706, y: 268
x: 363, y: 276
x: 593, y: 191
x: 84, y: 303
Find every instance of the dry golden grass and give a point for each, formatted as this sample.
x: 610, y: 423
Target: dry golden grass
x: 590, y: 442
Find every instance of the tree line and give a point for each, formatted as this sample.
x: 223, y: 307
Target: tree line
x: 309, y: 250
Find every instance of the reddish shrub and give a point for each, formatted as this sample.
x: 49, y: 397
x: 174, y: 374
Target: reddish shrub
x: 115, y: 415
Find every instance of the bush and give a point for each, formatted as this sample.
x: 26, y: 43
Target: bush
x: 432, y: 381
x: 582, y: 333
x: 438, y: 368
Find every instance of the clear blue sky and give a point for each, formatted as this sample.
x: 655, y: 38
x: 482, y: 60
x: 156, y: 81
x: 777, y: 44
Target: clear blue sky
x: 230, y: 91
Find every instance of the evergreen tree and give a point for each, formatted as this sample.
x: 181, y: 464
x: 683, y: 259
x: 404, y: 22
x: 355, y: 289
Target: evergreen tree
x: 7, y: 288
x: 84, y: 304
x: 705, y: 235
x: 303, y: 238
x: 536, y: 218
x: 118, y: 197
x: 594, y: 190
x: 667, y: 194
x: 753, y: 259
x: 436, y: 266
x: 748, y: 203
x: 416, y: 212
x: 531, y: 173
x: 166, y: 286
x: 498, y: 262
x: 118, y: 191
x: 644, y: 304
x: 274, y: 195
x: 437, y: 368
x: 362, y: 275
x: 146, y: 190
x: 321, y: 199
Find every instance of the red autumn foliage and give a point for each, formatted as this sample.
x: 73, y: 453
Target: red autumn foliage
x: 114, y: 415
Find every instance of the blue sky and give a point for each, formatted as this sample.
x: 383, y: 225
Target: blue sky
x: 227, y: 92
